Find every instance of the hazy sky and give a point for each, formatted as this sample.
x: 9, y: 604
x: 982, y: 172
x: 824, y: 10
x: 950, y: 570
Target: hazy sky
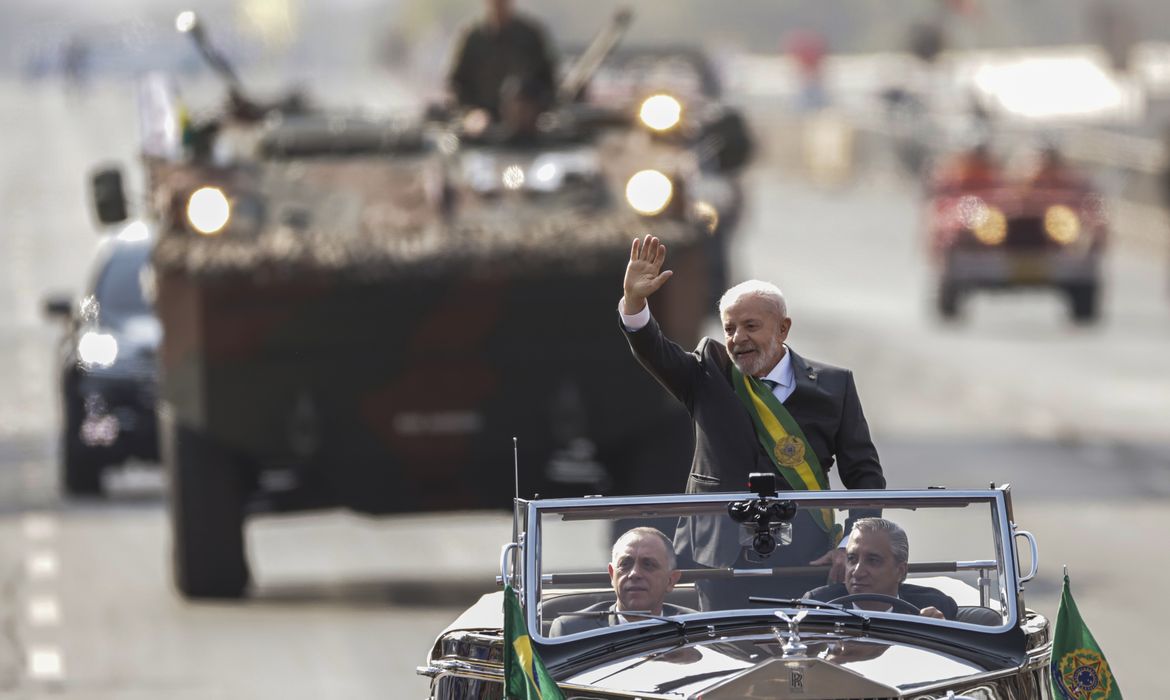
x: 332, y: 30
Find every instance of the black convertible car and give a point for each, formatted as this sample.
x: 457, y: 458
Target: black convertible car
x: 106, y: 364
x: 965, y: 545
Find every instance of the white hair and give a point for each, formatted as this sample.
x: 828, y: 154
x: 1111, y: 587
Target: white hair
x: 764, y: 290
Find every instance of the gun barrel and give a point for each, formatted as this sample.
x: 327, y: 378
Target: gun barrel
x: 582, y: 71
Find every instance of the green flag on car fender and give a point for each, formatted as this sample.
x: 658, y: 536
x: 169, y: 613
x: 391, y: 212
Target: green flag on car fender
x: 525, y: 677
x: 1079, y: 669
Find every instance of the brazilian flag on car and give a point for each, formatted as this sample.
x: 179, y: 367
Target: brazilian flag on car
x: 1079, y: 669
x: 525, y: 677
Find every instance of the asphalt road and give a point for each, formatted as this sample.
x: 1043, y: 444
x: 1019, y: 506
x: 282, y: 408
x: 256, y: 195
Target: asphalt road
x: 1075, y: 418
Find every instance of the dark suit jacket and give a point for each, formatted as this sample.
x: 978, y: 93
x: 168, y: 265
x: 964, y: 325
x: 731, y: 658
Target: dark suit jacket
x: 572, y: 624
x: 824, y: 403
x: 918, y: 596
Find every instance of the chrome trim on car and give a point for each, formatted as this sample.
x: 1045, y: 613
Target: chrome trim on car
x: 467, y: 662
x: 470, y: 687
x: 1005, y: 683
x: 1035, y: 555
x: 505, y: 559
x: 460, y: 668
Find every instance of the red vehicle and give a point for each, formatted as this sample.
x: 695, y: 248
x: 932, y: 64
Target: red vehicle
x: 987, y: 230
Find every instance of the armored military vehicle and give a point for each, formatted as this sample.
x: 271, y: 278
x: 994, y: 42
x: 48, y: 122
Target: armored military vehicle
x: 356, y: 316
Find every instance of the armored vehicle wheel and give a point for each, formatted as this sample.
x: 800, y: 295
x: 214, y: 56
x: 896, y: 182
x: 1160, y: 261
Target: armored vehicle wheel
x: 81, y: 469
x: 1083, y: 303
x: 206, y: 509
x: 947, y: 302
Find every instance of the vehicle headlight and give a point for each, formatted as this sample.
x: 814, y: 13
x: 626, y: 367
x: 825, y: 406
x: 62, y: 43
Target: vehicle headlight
x: 990, y: 226
x: 97, y: 349
x: 208, y: 210
x: 547, y: 173
x: 513, y: 177
x: 660, y: 112
x: 649, y: 192
x: 1062, y: 224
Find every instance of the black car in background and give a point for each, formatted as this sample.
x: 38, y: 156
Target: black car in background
x: 106, y: 364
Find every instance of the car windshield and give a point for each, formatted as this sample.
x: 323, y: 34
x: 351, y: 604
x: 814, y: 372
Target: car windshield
x: 120, y: 287
x: 941, y: 551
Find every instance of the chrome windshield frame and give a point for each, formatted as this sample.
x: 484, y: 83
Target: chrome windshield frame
x: 998, y: 499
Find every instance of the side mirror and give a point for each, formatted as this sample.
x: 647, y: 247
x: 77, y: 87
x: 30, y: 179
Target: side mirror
x: 109, y: 198
x: 725, y: 145
x: 58, y: 307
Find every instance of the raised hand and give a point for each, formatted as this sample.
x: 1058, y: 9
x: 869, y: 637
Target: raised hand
x: 644, y: 274
x: 835, y: 558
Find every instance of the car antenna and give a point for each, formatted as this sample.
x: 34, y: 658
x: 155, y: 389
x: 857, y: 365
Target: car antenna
x: 515, y: 488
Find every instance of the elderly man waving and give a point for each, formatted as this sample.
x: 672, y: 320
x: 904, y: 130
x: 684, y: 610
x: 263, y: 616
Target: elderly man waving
x: 757, y: 406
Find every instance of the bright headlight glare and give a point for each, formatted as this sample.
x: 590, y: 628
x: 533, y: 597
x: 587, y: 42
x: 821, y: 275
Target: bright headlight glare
x: 100, y: 349
x: 513, y: 177
x: 208, y: 210
x: 990, y: 227
x: 185, y: 22
x: 1062, y: 224
x: 547, y: 172
x: 660, y: 112
x: 649, y: 192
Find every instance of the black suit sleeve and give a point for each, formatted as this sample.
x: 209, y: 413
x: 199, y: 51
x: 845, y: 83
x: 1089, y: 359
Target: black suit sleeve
x: 674, y: 368
x: 925, y: 596
x: 459, y: 81
x: 857, y: 458
x: 545, y: 70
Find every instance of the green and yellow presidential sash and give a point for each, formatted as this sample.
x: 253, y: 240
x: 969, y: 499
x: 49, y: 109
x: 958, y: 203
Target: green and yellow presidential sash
x: 785, y: 444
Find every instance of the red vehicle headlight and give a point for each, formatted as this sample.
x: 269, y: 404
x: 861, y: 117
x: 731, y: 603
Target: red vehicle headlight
x: 1062, y: 224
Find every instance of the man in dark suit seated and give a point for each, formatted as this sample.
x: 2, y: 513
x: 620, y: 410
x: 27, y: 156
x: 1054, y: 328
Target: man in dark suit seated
x: 642, y: 570
x: 875, y: 562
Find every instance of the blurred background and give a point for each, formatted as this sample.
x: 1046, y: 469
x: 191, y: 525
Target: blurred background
x: 856, y: 107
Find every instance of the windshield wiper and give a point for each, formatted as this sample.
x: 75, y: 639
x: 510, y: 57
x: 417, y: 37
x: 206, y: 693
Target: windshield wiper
x: 810, y: 603
x: 628, y: 614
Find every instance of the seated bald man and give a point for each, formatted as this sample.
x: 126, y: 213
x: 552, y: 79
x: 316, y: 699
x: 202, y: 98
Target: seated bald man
x: 876, y: 560
x: 642, y: 571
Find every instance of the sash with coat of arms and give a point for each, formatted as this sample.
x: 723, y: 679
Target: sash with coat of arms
x: 785, y: 444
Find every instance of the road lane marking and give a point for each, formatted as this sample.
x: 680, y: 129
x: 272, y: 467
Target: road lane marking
x: 42, y: 565
x: 44, y: 611
x: 45, y: 664
x: 39, y: 526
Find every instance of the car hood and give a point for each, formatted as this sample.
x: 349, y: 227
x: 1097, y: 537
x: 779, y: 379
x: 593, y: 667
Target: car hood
x: 138, y: 331
x: 756, y: 667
